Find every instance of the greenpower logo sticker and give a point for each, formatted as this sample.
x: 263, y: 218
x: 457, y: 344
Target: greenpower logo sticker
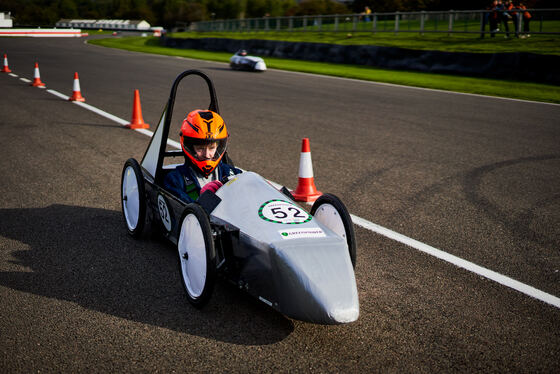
x: 303, y: 233
x: 280, y: 211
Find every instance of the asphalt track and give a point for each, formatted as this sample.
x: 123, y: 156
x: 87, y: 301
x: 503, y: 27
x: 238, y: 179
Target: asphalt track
x: 476, y: 177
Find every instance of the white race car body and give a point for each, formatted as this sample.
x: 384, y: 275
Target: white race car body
x: 257, y: 237
x: 249, y: 63
x: 287, y: 259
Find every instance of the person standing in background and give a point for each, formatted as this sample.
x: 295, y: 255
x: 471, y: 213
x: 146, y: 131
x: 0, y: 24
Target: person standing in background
x: 367, y: 12
x: 514, y: 17
x: 526, y: 19
x: 494, y: 19
x: 503, y: 16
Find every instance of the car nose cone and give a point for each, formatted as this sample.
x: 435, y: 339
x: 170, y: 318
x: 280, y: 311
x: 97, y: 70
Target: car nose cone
x: 317, y: 281
x: 260, y: 66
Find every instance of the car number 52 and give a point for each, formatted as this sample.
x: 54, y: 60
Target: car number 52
x: 164, y: 213
x: 280, y: 211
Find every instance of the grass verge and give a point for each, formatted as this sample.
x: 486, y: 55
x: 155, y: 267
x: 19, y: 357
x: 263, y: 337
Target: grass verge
x: 491, y: 87
x: 472, y: 43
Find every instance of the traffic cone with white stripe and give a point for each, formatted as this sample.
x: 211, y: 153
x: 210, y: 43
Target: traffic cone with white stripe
x: 37, y: 77
x: 76, y: 93
x: 137, y: 120
x: 306, y: 190
x: 6, y: 69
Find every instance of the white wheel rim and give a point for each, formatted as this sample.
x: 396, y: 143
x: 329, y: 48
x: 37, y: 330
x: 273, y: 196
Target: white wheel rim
x: 131, y: 198
x: 329, y: 216
x: 193, y: 265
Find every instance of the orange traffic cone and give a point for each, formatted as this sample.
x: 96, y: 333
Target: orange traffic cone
x: 37, y: 77
x: 137, y: 121
x: 6, y: 69
x: 305, y: 190
x: 76, y: 93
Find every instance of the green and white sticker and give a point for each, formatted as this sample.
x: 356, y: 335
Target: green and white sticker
x: 302, y: 233
x: 281, y: 211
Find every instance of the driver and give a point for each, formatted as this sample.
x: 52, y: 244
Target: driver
x: 204, y: 139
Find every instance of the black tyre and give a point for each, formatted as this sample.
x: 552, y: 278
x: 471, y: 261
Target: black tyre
x: 331, y: 212
x: 133, y: 198
x: 197, y: 255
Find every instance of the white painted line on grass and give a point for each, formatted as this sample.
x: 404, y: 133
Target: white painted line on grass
x: 457, y: 261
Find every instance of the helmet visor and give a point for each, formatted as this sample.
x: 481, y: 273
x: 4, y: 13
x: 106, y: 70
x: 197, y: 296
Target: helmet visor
x: 205, y: 149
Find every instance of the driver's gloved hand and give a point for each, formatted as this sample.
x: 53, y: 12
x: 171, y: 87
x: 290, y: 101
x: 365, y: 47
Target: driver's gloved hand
x: 211, y: 186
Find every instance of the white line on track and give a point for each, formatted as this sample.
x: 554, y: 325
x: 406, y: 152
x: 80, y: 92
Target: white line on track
x: 25, y: 80
x: 102, y: 113
x: 114, y: 118
x: 56, y: 93
x: 457, y: 261
x: 421, y: 88
x: 391, y: 84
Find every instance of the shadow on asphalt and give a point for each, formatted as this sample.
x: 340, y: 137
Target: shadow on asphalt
x: 85, y: 256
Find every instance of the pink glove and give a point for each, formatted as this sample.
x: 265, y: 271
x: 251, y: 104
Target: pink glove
x: 211, y: 186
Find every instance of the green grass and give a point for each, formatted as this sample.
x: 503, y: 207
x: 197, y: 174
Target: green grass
x: 541, y: 44
x: 492, y: 87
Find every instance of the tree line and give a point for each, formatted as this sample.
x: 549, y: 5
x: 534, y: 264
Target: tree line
x: 168, y: 13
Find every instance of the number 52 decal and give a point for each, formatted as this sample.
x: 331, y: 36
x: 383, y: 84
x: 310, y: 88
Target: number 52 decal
x: 164, y: 213
x: 280, y: 211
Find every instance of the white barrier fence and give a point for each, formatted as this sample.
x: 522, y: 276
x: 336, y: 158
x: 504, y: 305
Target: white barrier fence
x: 65, y: 33
x: 542, y: 21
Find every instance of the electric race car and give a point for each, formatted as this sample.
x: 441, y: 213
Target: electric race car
x: 241, y: 61
x: 248, y: 231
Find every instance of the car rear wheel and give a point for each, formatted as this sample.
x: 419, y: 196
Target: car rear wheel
x: 197, y: 255
x: 331, y: 212
x: 133, y: 198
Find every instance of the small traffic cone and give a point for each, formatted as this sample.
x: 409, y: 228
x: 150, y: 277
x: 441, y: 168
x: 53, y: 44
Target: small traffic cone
x: 6, y: 69
x: 305, y: 190
x: 76, y: 93
x: 37, y: 77
x: 137, y: 121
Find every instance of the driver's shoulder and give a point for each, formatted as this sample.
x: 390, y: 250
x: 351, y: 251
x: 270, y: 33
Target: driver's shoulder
x: 178, y: 174
x: 228, y: 170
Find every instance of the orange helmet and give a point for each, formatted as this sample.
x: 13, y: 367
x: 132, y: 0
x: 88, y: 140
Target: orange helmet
x: 203, y: 128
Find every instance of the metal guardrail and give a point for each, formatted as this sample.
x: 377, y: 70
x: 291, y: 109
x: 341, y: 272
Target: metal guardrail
x: 543, y: 21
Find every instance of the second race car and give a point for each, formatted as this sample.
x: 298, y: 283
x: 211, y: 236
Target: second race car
x: 242, y: 61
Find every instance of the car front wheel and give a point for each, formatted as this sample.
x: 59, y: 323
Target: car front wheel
x: 197, y: 255
x: 331, y: 212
